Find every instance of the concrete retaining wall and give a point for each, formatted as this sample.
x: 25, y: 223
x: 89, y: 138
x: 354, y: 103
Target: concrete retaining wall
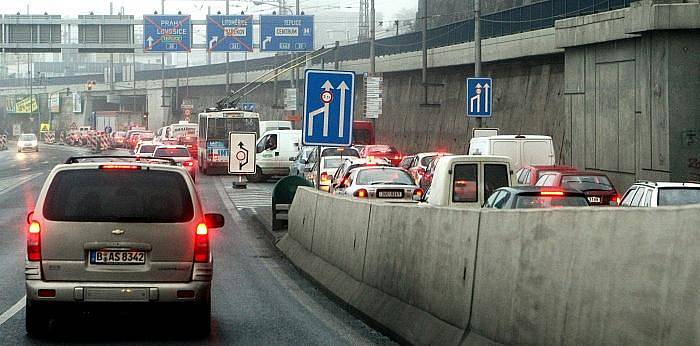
x: 578, y: 276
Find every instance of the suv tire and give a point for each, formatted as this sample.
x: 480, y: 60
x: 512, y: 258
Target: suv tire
x: 257, y: 177
x: 36, y: 320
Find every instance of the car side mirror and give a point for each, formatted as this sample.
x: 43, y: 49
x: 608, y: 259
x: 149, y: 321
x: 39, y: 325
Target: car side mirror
x: 214, y: 220
x: 29, y: 217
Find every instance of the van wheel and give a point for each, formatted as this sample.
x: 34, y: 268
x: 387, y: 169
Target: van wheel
x: 36, y: 320
x: 201, y: 316
x: 257, y: 177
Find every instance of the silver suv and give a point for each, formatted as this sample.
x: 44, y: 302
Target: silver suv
x: 114, y: 230
x: 659, y: 194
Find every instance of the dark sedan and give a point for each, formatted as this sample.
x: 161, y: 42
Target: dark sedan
x: 529, y: 197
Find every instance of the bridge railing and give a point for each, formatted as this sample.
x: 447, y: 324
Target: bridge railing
x: 515, y: 20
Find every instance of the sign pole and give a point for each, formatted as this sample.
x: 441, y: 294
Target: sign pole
x: 318, y: 168
x: 477, y: 46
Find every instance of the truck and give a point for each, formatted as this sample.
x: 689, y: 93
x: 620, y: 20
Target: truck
x: 467, y: 181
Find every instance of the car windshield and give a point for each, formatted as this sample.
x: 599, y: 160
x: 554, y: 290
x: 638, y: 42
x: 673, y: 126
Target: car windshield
x: 332, y: 162
x: 527, y: 202
x: 27, y: 138
x: 171, y: 152
x: 382, y: 150
x: 678, y: 196
x: 147, y: 148
x: 376, y: 176
x: 100, y: 195
x: 586, y: 182
x: 340, y: 152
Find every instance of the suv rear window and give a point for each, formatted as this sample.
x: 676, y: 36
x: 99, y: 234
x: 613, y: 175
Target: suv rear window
x: 148, y: 148
x: 340, y: 152
x: 678, y: 196
x: 144, y: 196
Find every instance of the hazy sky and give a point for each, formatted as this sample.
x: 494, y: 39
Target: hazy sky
x: 388, y: 8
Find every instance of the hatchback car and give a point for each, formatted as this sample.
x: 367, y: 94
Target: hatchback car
x: 420, y: 164
x: 27, y: 141
x: 597, y: 186
x: 145, y: 149
x: 329, y: 165
x: 659, y: 194
x: 528, y: 197
x: 180, y: 154
x: 386, y: 183
x: 343, y: 172
x: 111, y: 234
x: 382, y: 151
x: 529, y: 175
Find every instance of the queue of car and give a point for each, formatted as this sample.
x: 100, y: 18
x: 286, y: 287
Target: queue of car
x: 500, y: 172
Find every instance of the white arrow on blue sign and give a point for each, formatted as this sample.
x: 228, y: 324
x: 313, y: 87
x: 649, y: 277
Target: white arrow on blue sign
x: 479, y: 97
x: 230, y: 33
x: 328, y: 112
x: 286, y: 33
x: 167, y: 33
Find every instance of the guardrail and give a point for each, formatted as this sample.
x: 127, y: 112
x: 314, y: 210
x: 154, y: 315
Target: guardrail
x: 530, y: 17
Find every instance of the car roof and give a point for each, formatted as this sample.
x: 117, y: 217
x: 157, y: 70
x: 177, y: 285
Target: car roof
x: 536, y: 189
x: 514, y: 137
x: 662, y: 184
x: 575, y: 173
x: 552, y: 167
x: 476, y: 158
x: 168, y: 146
x: 365, y: 168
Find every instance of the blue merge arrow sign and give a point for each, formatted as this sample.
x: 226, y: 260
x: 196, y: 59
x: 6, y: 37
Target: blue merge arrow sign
x: 328, y: 112
x: 479, y: 97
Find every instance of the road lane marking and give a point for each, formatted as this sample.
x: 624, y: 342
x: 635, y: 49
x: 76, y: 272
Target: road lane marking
x: 13, y: 310
x: 9, y: 184
x: 25, y: 169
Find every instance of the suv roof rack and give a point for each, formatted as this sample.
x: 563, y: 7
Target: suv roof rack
x: 110, y: 158
x: 646, y: 182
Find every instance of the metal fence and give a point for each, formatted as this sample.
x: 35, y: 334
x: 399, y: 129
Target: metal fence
x: 530, y: 17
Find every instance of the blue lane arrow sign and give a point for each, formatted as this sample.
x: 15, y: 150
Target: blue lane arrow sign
x: 329, y: 98
x: 479, y: 97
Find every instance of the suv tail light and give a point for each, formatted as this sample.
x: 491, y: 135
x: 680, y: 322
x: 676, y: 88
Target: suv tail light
x: 188, y: 163
x: 362, y: 193
x: 201, y: 244
x: 34, y: 242
x: 418, y: 192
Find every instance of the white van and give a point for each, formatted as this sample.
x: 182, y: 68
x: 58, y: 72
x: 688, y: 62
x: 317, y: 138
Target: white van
x: 274, y: 125
x: 273, y: 150
x: 524, y: 150
x: 466, y: 181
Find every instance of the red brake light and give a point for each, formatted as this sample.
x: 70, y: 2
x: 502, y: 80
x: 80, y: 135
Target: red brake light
x: 552, y: 193
x: 418, y: 192
x: 129, y: 167
x: 201, y: 244
x: 188, y: 163
x: 34, y: 242
x: 397, y: 157
x: 324, y: 176
x: 362, y: 193
x: 46, y: 293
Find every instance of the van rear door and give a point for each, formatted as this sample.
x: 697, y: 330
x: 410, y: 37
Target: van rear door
x: 537, y: 152
x: 118, y: 223
x: 509, y: 148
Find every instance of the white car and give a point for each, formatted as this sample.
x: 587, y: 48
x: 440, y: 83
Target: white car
x: 380, y: 182
x: 659, y: 194
x: 27, y: 141
x: 329, y: 165
x: 146, y: 149
x: 180, y: 154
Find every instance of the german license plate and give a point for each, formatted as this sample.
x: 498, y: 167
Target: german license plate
x: 117, y: 257
x: 390, y: 194
x: 594, y: 199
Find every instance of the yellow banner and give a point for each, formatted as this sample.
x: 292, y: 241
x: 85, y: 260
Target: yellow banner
x: 23, y: 105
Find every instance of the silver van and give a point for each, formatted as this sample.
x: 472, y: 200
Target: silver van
x: 107, y: 232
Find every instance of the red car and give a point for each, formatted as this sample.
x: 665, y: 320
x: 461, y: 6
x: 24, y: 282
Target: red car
x: 382, y: 151
x: 528, y: 175
x: 596, y: 186
x: 190, y: 142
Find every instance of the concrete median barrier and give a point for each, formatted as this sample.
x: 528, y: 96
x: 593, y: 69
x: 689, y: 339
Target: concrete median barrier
x: 589, y: 276
x: 473, y: 277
